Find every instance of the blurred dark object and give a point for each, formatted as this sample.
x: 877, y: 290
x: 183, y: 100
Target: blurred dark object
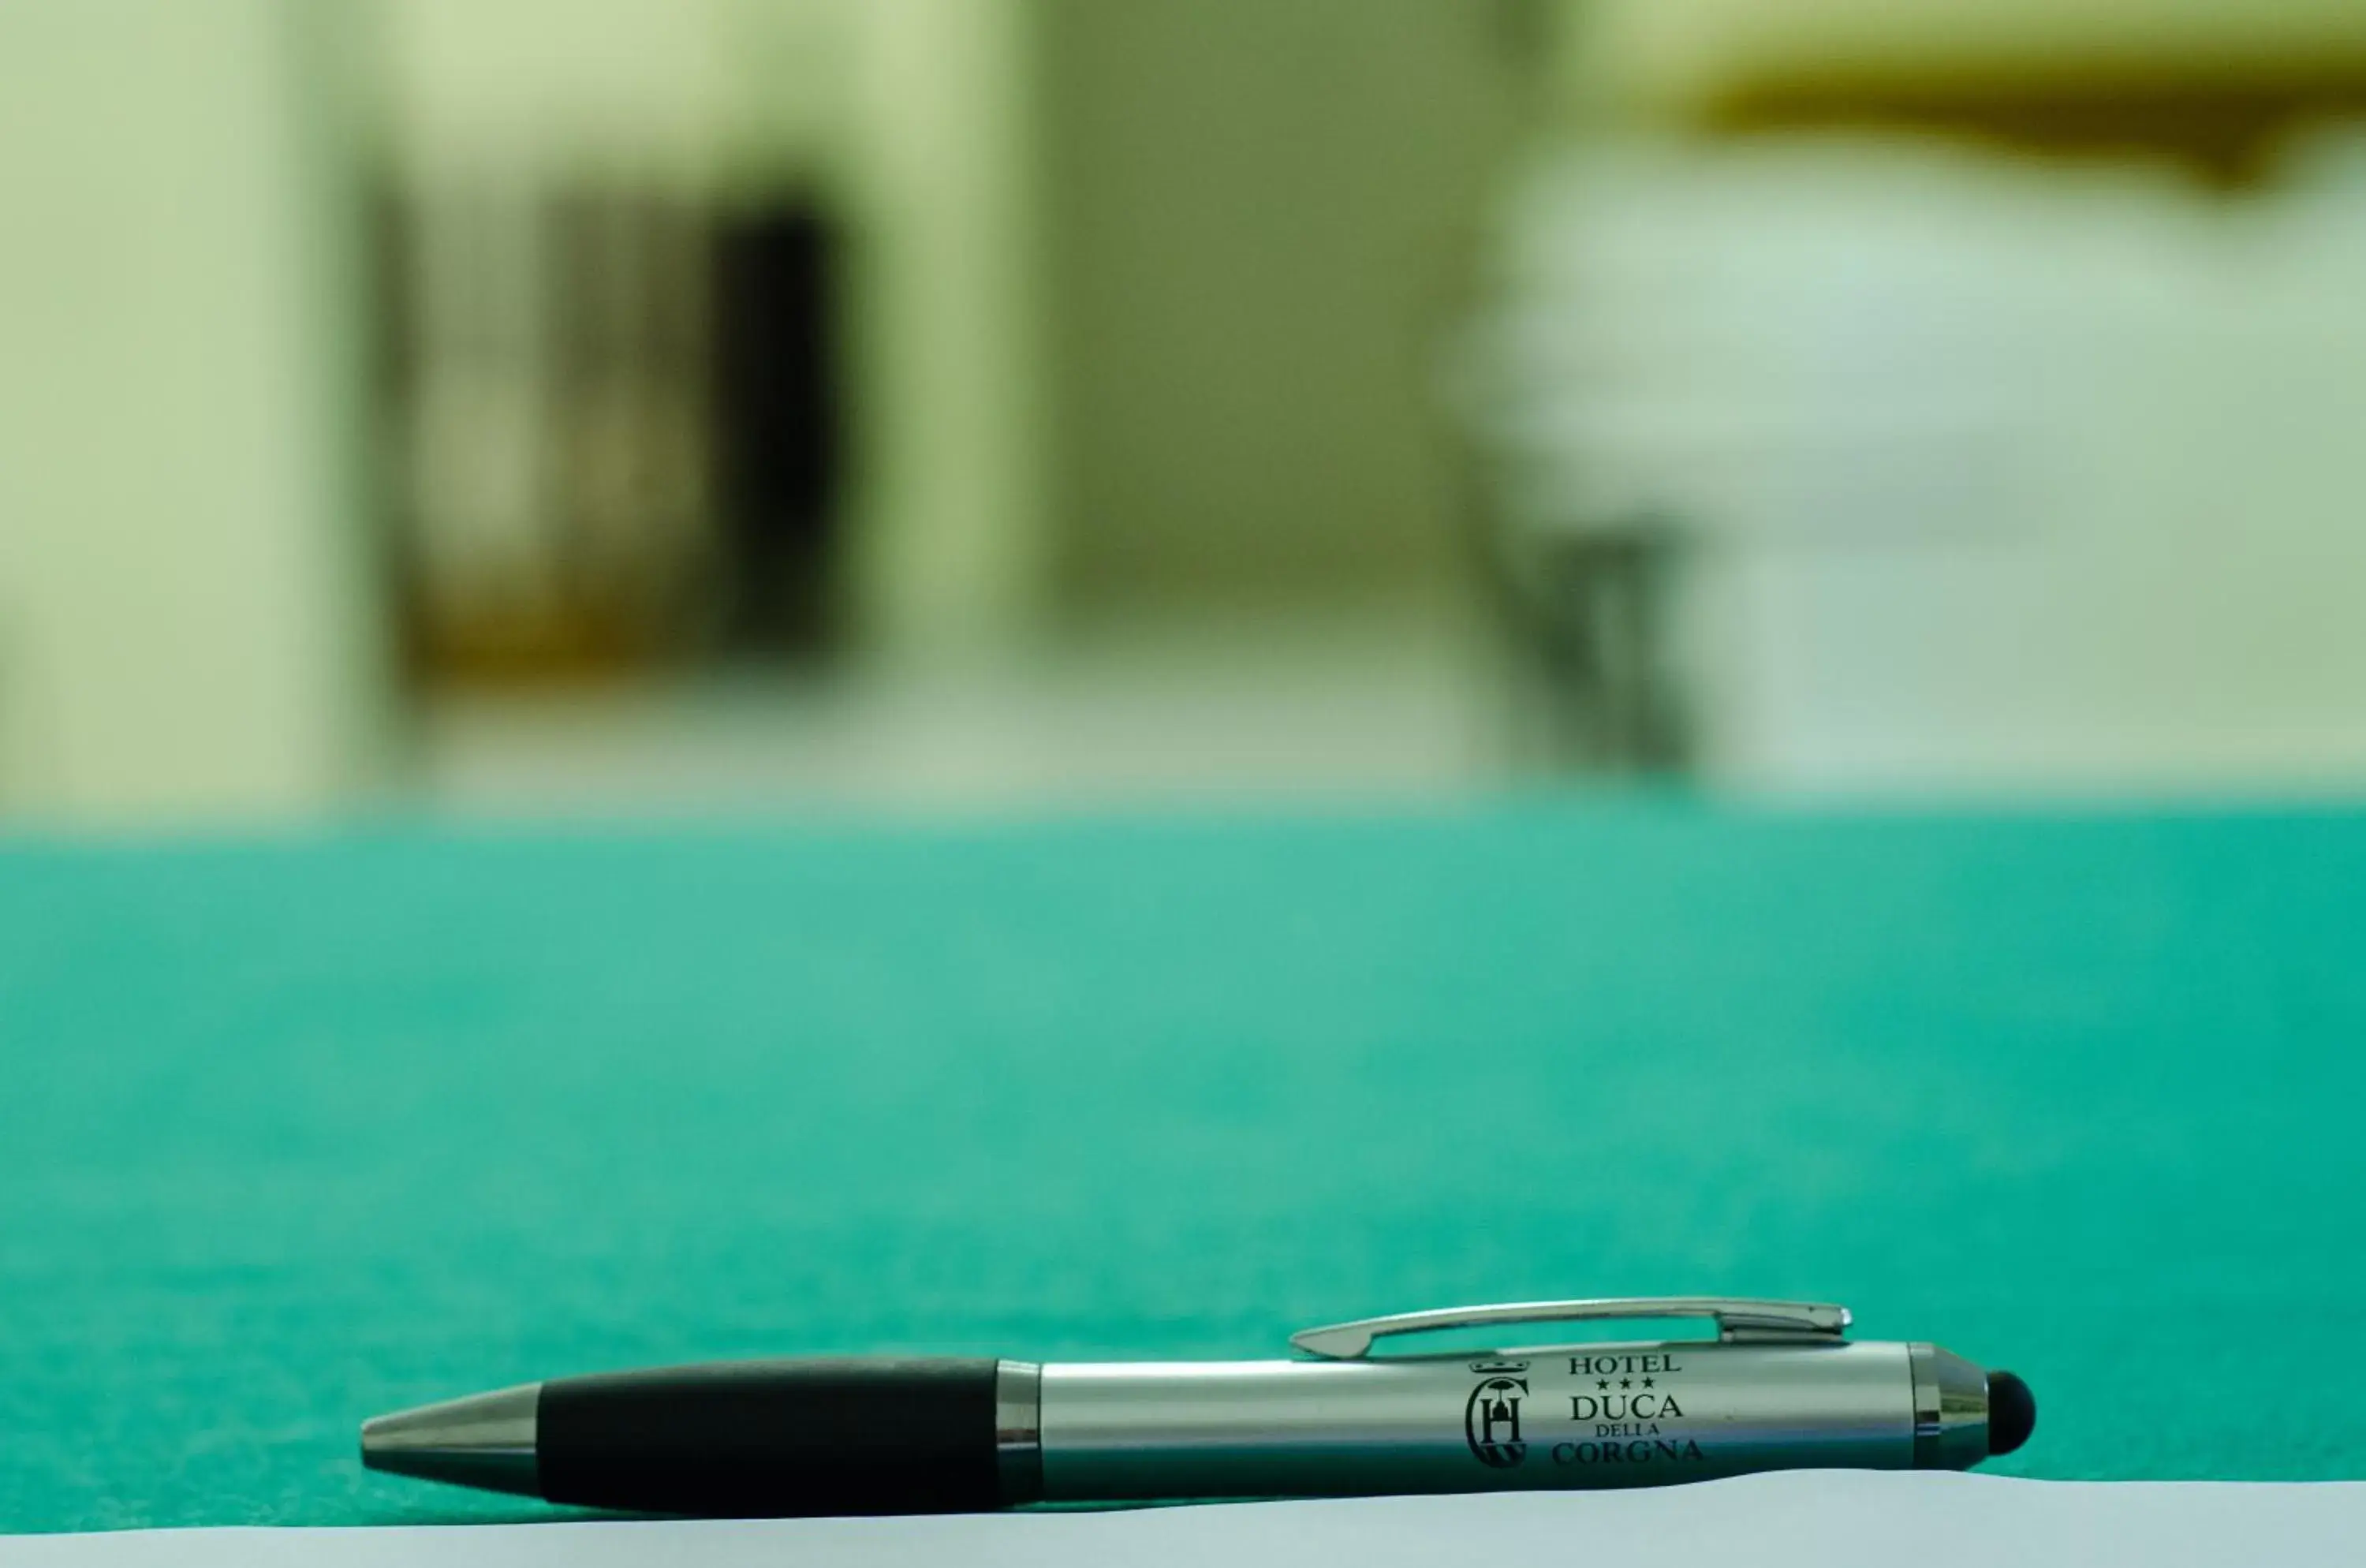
x: 1596, y: 608
x: 617, y: 415
x: 551, y: 414
x: 778, y: 430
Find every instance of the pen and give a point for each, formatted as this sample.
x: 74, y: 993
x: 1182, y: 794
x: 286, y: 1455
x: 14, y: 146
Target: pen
x: 1780, y: 1387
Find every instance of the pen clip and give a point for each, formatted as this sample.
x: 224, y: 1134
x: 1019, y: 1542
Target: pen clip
x: 1738, y: 1318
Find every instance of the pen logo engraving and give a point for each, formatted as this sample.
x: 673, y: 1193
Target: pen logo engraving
x: 1491, y: 1420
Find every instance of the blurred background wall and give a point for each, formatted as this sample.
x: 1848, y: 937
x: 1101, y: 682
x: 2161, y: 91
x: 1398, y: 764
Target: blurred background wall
x: 188, y: 618
x: 1262, y: 219
x: 511, y: 404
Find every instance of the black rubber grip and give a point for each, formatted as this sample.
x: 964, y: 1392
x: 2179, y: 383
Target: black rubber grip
x: 774, y: 1439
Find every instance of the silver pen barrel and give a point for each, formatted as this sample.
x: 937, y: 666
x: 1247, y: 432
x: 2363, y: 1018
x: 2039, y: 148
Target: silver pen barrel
x: 1576, y: 1416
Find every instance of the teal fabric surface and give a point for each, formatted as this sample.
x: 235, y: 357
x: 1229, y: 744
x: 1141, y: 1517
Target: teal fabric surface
x: 295, y: 1132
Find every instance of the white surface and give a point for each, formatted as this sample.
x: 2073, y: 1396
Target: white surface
x: 1977, y: 473
x: 1823, y: 1519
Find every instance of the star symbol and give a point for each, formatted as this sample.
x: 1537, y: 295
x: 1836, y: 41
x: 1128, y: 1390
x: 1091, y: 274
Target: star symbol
x: 1602, y: 1382
x: 1647, y: 1383
x: 1626, y: 1382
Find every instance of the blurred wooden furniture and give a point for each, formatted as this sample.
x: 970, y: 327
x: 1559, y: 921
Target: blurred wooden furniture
x: 2214, y: 84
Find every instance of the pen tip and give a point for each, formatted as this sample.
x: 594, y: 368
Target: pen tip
x: 2012, y: 1413
x: 486, y: 1440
